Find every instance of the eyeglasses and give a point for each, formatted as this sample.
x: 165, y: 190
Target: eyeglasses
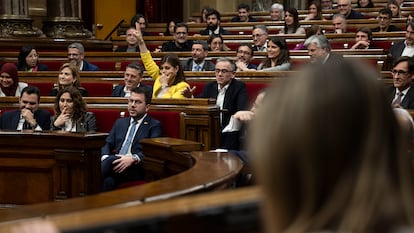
x: 382, y: 18
x: 257, y: 35
x: 399, y: 72
x: 244, y: 52
x: 223, y: 71
x: 181, y: 33
x: 342, y: 5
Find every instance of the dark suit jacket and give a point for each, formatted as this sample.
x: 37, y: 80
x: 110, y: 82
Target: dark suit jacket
x: 391, y: 28
x: 88, y: 124
x: 124, y: 49
x: 396, y: 50
x: 188, y: 65
x: 149, y: 128
x: 10, y: 120
x: 236, y: 98
x: 237, y: 19
x: 119, y: 90
x: 89, y: 67
x: 222, y: 31
x: 408, y: 99
x: 334, y: 58
x: 170, y: 46
x: 355, y: 15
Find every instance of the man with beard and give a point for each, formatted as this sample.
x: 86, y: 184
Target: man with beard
x: 405, y: 47
x: 213, y: 24
x: 244, y: 57
x: 198, y: 62
x: 122, y: 155
x: 181, y: 42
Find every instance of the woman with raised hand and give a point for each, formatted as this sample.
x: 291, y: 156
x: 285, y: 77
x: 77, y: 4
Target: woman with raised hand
x: 71, y: 112
x: 169, y: 79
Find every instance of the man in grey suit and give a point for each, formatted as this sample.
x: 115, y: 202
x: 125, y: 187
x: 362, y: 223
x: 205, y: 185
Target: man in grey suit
x: 198, y: 61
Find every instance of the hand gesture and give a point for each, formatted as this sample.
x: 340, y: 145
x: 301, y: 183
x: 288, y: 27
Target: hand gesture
x: 28, y: 115
x: 244, y: 116
x: 62, y: 118
x: 188, y: 92
x: 138, y: 34
x: 122, y: 163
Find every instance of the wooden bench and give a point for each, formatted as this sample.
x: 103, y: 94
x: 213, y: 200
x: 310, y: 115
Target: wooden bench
x: 192, y: 119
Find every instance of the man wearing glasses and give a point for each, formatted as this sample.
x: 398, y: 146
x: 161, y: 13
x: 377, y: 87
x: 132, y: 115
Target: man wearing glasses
x: 402, y: 92
x: 181, y: 42
x: 28, y: 116
x: 404, y: 47
x: 76, y: 56
x: 244, y: 56
x: 230, y: 94
x: 345, y: 8
x: 384, y: 21
x: 260, y: 36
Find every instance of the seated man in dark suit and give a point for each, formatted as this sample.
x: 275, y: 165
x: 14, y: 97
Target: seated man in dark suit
x: 122, y: 155
x: 230, y: 93
x: 181, y: 42
x: 76, y: 55
x: 404, y: 47
x: 132, y: 78
x: 29, y: 116
x: 402, y: 92
x: 198, y: 61
x: 213, y: 24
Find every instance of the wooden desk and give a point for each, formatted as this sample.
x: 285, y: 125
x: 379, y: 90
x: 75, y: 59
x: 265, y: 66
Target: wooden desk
x: 209, y: 171
x: 46, y: 166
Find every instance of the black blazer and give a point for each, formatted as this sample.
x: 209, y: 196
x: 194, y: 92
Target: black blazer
x: 89, y: 67
x: 124, y: 49
x: 236, y: 98
x: 188, y: 65
x: 408, y: 99
x: 88, y: 124
x: 10, y: 120
x: 119, y: 90
x: 396, y: 50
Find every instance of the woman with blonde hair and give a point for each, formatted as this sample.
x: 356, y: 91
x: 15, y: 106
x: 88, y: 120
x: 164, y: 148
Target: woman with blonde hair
x: 331, y: 156
x: 68, y: 77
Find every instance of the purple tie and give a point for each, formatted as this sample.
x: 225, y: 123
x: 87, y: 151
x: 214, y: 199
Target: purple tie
x: 397, y: 101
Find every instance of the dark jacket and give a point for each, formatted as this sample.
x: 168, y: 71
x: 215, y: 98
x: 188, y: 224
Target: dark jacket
x: 171, y: 46
x: 188, y: 65
x: 124, y: 49
x: 88, y: 124
x: 89, y: 67
x: 10, y: 120
x: 119, y: 90
x: 408, y: 99
x: 207, y: 32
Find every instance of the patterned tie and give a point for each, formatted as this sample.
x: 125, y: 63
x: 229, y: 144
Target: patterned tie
x: 197, y: 68
x: 397, y: 101
x: 129, y: 138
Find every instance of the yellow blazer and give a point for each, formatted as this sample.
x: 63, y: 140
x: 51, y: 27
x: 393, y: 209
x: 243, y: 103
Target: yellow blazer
x: 154, y: 71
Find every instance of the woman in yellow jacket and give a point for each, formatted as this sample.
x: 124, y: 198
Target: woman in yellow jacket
x: 170, y: 82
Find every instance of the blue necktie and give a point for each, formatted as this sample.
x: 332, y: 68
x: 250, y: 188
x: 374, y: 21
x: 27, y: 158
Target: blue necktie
x: 197, y: 68
x: 129, y: 138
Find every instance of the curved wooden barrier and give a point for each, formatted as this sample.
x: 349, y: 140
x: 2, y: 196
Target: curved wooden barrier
x: 210, y: 171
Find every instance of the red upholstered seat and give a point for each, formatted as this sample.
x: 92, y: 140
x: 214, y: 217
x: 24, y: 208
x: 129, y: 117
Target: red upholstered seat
x: 98, y: 89
x: 43, y: 87
x: 105, y: 118
x: 253, y: 89
x: 199, y: 87
x: 170, y: 123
